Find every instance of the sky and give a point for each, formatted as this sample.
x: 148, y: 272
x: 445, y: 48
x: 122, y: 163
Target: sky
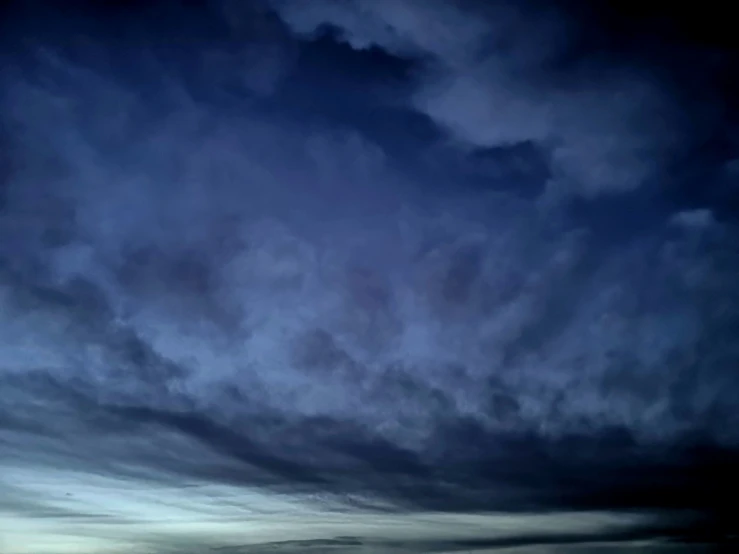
x: 368, y: 276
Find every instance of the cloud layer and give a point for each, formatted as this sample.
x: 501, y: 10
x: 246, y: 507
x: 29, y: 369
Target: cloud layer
x: 223, y: 319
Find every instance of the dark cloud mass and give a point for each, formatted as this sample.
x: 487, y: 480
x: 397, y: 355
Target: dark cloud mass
x: 367, y: 276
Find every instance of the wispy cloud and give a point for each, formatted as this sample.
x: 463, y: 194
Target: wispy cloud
x: 498, y: 74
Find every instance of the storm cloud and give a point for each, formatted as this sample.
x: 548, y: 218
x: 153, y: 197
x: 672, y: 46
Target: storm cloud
x: 363, y: 276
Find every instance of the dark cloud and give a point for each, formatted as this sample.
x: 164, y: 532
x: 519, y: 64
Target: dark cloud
x: 268, y: 282
x: 497, y: 75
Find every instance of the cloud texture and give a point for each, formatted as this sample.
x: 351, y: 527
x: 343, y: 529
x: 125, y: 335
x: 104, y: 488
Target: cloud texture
x: 232, y: 321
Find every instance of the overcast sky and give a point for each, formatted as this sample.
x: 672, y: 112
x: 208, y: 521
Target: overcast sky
x: 367, y: 276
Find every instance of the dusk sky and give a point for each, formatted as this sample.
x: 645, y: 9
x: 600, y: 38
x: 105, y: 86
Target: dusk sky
x: 368, y: 276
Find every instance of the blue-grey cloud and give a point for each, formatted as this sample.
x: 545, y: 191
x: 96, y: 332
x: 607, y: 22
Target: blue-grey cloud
x: 230, y: 323
x: 498, y: 74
